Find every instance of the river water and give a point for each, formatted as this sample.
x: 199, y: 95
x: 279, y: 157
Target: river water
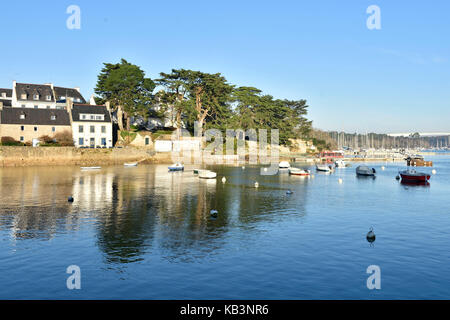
x: 145, y: 233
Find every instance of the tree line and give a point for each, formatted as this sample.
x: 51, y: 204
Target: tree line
x: 195, y: 96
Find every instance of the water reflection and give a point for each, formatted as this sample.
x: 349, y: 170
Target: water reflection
x: 136, y: 210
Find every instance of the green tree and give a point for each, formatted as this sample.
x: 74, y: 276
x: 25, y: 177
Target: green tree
x: 128, y: 90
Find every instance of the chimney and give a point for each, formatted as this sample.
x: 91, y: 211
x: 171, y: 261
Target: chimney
x: 1, y: 105
x: 108, y: 106
x: 69, y: 105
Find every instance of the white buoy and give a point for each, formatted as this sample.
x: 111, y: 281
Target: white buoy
x: 340, y: 181
x: 213, y: 213
x: 256, y: 184
x: 265, y: 169
x: 382, y: 168
x: 224, y: 180
x: 433, y: 171
x: 243, y: 167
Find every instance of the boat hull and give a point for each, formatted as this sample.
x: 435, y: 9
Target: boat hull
x: 415, y: 177
x: 176, y: 168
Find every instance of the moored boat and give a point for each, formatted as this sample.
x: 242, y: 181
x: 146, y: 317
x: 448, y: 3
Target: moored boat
x: 207, y: 174
x: 340, y: 164
x: 365, y: 171
x: 284, y: 165
x: 90, y: 168
x: 176, y: 167
x: 131, y: 164
x: 323, y: 168
x: 298, y: 172
x: 411, y: 175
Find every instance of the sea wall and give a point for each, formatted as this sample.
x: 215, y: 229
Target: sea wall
x: 50, y: 156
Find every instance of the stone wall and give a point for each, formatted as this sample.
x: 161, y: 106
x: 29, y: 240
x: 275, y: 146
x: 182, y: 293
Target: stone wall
x: 49, y: 156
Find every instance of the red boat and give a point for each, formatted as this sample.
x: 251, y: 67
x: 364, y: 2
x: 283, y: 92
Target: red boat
x: 412, y: 175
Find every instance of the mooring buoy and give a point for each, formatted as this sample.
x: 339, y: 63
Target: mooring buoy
x: 213, y: 213
x: 370, y: 235
x: 70, y: 199
x: 433, y: 171
x: 256, y: 184
x: 224, y: 180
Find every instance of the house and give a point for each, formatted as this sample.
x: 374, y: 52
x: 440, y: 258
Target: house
x: 91, y: 125
x: 42, y: 96
x: 27, y: 124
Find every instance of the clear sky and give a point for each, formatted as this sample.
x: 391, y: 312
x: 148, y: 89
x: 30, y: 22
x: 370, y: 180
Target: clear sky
x: 395, y: 79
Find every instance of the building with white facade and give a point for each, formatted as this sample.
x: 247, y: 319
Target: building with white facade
x: 91, y: 125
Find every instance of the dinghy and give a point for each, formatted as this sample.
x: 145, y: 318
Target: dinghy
x: 207, y: 174
x: 131, y: 164
x: 284, y: 165
x: 176, y: 167
x: 365, y: 171
x: 298, y: 172
x: 90, y: 168
x: 323, y: 168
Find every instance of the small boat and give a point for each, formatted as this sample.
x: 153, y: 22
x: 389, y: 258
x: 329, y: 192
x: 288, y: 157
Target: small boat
x: 298, y: 172
x: 90, y: 168
x: 340, y: 164
x: 131, y: 164
x: 284, y: 165
x: 365, y: 171
x: 176, y: 167
x: 207, y: 174
x: 323, y: 168
x: 411, y: 175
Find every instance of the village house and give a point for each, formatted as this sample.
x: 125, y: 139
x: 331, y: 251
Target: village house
x: 91, y: 125
x: 26, y: 125
x: 30, y: 111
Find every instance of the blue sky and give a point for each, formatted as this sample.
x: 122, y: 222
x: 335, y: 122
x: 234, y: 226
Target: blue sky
x: 390, y: 80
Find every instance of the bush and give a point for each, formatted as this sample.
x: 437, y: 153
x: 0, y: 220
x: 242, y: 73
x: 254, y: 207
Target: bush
x: 46, y: 139
x: 64, y: 138
x: 10, y: 141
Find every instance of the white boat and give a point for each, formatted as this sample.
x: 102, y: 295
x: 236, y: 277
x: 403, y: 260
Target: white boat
x: 284, y: 165
x: 90, y: 168
x: 340, y: 164
x: 323, y: 168
x: 131, y: 164
x: 298, y: 172
x: 207, y: 174
x: 176, y: 167
x: 365, y: 171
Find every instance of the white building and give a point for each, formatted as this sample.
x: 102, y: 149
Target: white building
x: 91, y: 125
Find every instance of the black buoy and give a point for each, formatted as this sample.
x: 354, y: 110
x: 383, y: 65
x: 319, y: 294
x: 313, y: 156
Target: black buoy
x: 213, y: 213
x: 70, y: 199
x: 397, y: 177
x: 289, y: 192
x: 370, y: 235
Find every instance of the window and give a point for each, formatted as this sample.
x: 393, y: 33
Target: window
x: 22, y: 128
x: 103, y: 141
x: 92, y: 129
x: 22, y: 116
x: 92, y: 117
x: 63, y: 98
x: 80, y: 129
x: 23, y: 96
x: 48, y: 98
x: 53, y: 117
x: 48, y: 107
x: 83, y: 117
x: 92, y: 142
x: 36, y: 107
x: 21, y: 139
x: 36, y: 97
x: 35, y: 128
x: 98, y: 118
x: 147, y: 141
x: 103, y: 129
x: 4, y: 94
x: 80, y: 141
x: 53, y: 129
x: 23, y: 106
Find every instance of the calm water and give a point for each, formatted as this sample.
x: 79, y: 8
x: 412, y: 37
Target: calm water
x: 144, y: 233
